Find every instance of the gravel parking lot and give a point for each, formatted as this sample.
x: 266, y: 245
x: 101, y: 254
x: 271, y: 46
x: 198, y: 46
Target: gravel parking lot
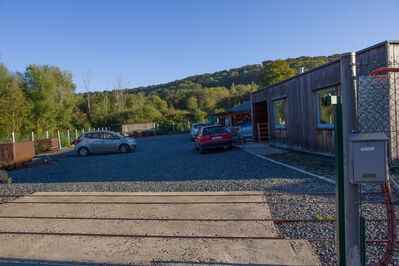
x: 170, y: 163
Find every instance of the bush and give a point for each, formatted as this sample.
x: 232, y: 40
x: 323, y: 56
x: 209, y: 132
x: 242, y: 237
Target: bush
x: 39, y: 148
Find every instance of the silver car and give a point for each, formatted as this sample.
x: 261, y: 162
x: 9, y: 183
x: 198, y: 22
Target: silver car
x: 103, y: 142
x: 196, y: 127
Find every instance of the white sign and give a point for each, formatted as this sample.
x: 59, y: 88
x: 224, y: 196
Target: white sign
x: 367, y: 149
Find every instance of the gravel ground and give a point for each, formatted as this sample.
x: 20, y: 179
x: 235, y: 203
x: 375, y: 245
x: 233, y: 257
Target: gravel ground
x: 170, y: 163
x: 327, y: 250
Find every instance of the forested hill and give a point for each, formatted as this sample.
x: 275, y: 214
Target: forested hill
x: 243, y: 75
x: 43, y: 98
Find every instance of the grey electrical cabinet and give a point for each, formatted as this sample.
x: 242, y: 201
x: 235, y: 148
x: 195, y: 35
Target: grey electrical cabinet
x: 368, y: 158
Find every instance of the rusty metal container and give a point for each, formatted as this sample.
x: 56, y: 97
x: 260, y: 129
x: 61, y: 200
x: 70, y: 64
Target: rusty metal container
x: 50, y: 144
x: 12, y: 154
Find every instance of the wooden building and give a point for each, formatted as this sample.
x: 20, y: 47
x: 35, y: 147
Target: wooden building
x: 292, y: 110
x: 235, y: 116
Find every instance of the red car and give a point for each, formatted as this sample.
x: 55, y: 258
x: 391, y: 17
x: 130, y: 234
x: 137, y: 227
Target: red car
x: 211, y: 137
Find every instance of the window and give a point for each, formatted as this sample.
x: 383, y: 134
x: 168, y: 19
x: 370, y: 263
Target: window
x: 325, y: 114
x: 279, y: 113
x: 213, y: 130
x: 94, y: 135
x: 106, y: 135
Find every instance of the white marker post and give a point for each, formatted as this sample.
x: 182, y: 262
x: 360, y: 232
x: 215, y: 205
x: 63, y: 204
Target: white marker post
x: 46, y: 134
x: 76, y: 134
x: 59, y: 139
x: 69, y: 140
x: 33, y: 136
x: 13, y: 137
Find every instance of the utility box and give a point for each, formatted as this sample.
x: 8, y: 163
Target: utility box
x: 368, y: 158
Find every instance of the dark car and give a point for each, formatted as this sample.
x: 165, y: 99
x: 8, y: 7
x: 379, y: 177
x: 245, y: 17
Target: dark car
x: 212, y: 137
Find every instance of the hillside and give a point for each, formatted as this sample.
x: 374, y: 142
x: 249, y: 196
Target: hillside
x: 243, y: 75
x: 43, y: 97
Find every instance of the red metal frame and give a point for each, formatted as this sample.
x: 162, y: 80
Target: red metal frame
x: 389, y: 201
x: 383, y: 70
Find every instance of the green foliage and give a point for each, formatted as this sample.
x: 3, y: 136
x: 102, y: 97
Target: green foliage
x: 192, y: 103
x: 326, y: 217
x: 13, y: 108
x: 225, y: 78
x: 50, y: 91
x: 5, y: 77
x: 39, y: 148
x: 308, y: 62
x: 233, y: 90
x: 275, y: 71
x: 198, y: 116
x: 174, y: 122
x: 43, y: 97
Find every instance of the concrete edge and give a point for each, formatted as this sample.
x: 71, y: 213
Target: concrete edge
x: 393, y: 181
x: 292, y: 167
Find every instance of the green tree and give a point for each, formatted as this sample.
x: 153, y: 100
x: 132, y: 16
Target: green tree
x: 50, y: 91
x: 275, y: 71
x: 192, y: 103
x: 156, y: 102
x: 233, y: 90
x: 197, y: 115
x: 5, y: 77
x: 13, y: 108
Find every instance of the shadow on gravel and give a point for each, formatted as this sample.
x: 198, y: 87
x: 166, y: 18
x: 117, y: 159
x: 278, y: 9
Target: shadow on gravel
x: 158, y: 159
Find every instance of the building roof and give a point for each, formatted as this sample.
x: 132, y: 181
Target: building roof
x: 237, y: 109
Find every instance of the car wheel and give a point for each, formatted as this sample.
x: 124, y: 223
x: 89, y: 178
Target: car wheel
x: 83, y: 152
x: 124, y: 148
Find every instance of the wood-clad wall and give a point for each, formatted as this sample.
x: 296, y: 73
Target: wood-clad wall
x: 301, y: 131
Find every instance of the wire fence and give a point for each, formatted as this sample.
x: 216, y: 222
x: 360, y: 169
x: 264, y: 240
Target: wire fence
x: 65, y: 138
x: 378, y: 107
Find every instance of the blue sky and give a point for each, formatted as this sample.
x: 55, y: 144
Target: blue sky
x: 151, y: 42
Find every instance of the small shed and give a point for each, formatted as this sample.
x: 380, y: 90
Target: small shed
x: 143, y: 129
x: 235, y: 116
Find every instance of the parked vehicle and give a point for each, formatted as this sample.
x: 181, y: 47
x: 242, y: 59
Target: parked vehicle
x: 103, y: 142
x: 195, y: 128
x: 211, y: 137
x: 242, y: 133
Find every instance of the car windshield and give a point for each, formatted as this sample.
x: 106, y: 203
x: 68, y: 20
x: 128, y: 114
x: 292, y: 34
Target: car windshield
x: 213, y: 130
